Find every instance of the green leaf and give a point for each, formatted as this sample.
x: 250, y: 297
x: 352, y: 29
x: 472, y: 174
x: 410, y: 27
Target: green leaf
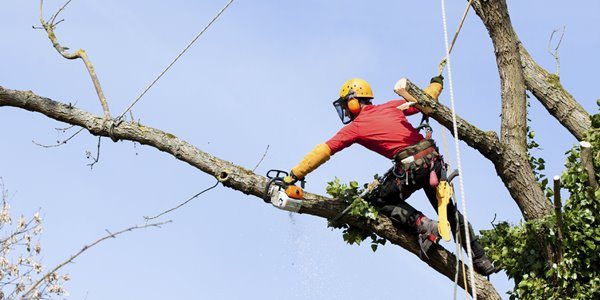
x: 590, y: 244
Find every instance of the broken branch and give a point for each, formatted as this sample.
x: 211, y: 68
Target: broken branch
x: 49, y: 28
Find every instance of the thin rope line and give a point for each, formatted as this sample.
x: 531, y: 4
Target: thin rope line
x: 458, y: 159
x: 176, y: 58
x: 182, y: 204
x: 460, y: 25
x: 445, y: 145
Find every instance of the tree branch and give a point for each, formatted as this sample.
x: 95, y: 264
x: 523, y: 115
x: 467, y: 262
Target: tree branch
x: 85, y: 248
x: 546, y: 87
x: 486, y: 142
x: 555, y: 53
x: 49, y: 28
x: 229, y: 175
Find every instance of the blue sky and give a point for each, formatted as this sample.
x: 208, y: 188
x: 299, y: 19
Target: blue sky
x: 264, y: 75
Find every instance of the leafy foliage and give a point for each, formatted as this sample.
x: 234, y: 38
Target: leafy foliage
x: 520, y: 249
x: 351, y: 193
x: 538, y: 164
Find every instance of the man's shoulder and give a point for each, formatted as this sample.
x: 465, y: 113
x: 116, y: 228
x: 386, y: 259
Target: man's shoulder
x: 393, y: 103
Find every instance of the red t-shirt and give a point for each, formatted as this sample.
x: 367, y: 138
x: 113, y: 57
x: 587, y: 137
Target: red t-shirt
x: 380, y: 128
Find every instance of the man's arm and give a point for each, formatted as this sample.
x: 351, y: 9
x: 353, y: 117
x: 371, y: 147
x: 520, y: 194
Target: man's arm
x: 322, y: 152
x: 318, y: 156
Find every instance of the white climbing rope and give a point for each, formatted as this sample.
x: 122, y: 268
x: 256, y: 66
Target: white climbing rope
x: 458, y: 159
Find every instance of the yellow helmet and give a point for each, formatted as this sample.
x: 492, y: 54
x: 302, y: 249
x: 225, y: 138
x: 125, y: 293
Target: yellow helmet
x: 347, y: 105
x: 360, y: 88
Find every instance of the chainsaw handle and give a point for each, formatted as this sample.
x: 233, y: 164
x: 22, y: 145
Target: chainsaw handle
x: 277, y: 174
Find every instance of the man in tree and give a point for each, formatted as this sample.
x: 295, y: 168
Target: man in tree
x: 384, y: 129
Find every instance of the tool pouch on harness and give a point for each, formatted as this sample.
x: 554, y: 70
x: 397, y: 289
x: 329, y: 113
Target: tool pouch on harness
x: 409, y: 165
x: 416, y: 156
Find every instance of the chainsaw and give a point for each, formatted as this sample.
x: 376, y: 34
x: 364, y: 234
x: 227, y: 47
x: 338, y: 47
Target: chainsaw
x: 282, y: 195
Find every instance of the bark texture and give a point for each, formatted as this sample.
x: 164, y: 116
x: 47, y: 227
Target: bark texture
x: 513, y: 166
x: 546, y: 87
x: 494, y: 15
x: 230, y: 175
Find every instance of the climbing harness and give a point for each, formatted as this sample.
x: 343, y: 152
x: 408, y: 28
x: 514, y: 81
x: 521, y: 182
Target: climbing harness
x: 425, y: 125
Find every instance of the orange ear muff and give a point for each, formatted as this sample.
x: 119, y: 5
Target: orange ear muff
x: 354, y: 106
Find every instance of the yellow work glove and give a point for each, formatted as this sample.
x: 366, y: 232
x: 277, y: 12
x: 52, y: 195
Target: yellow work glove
x: 435, y: 87
x: 319, y: 155
x: 433, y: 90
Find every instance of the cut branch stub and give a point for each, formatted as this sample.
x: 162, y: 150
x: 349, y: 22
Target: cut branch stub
x: 587, y: 163
x: 400, y: 88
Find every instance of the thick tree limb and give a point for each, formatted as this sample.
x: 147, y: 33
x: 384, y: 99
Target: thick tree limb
x: 230, y: 175
x: 486, y: 142
x: 546, y: 87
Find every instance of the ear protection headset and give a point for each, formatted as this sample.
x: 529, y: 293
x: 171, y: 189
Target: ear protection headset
x: 348, y: 105
x: 354, y: 106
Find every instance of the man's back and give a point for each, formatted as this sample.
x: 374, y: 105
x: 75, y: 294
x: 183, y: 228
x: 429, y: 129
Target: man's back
x: 381, y: 128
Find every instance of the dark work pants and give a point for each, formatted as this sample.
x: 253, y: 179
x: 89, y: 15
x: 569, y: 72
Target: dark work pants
x: 396, y: 190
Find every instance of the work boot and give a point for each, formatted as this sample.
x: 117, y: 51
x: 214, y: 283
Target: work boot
x: 428, y: 233
x: 481, y: 263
